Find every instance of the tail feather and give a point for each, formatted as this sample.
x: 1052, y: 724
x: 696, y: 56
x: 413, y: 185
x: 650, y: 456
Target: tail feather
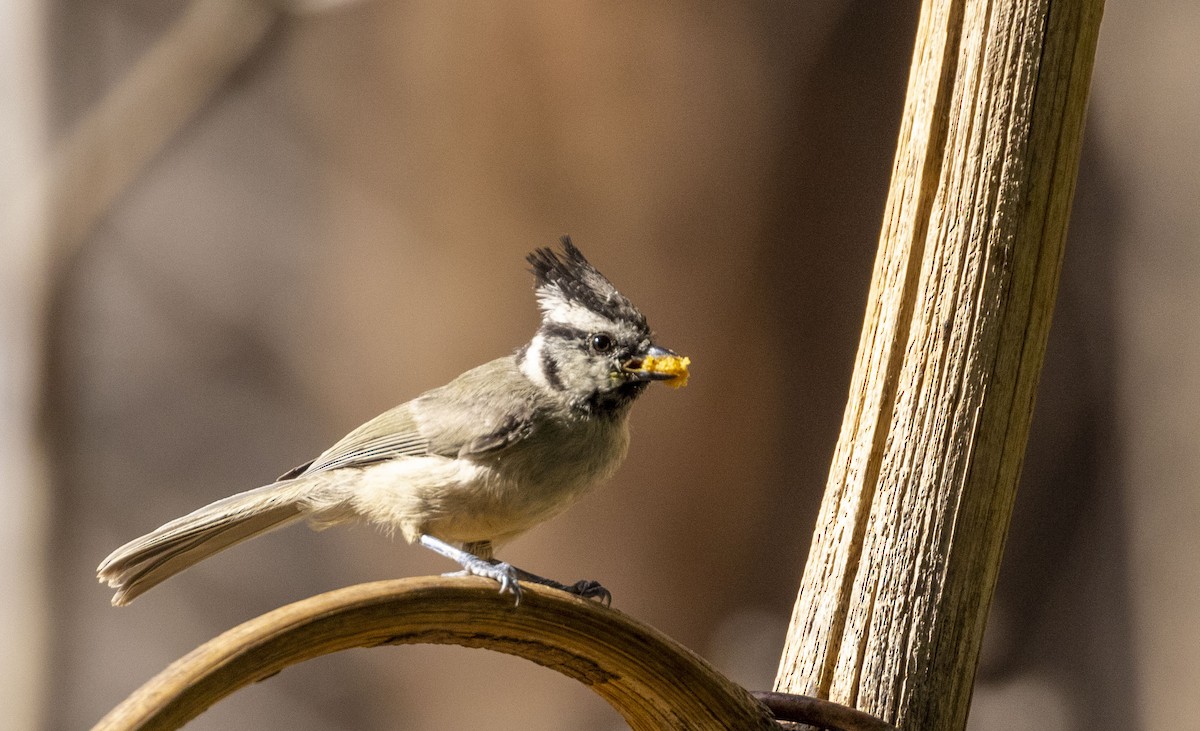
x: 145, y: 562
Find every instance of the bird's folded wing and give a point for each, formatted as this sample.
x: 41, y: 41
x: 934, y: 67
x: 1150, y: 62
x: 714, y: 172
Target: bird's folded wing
x: 392, y: 434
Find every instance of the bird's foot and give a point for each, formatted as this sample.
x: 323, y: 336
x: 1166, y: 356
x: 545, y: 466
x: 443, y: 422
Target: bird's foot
x: 502, y: 573
x: 584, y: 588
x: 498, y: 571
x: 589, y: 589
x: 509, y: 576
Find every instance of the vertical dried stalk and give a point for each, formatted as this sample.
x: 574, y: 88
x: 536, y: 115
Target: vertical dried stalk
x: 892, y: 605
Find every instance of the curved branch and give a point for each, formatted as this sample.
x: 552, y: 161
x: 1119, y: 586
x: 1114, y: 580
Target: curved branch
x: 651, y: 680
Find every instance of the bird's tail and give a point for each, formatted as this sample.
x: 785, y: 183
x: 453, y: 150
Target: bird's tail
x: 144, y: 562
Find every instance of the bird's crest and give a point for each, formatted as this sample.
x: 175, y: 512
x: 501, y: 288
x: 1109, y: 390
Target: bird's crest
x: 567, y: 282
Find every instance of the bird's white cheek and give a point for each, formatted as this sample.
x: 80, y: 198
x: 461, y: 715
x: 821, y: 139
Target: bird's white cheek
x: 531, y: 364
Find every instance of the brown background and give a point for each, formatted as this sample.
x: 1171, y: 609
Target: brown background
x: 343, y: 226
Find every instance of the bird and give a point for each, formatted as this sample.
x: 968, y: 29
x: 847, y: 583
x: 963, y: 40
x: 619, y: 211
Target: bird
x: 464, y: 467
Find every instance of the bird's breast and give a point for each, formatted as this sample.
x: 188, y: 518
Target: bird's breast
x: 533, y: 480
x: 493, y: 496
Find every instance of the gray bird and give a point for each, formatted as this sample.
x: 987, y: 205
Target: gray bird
x: 462, y: 467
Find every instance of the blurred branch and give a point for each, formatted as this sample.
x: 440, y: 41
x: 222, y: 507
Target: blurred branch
x: 895, y: 594
x: 113, y: 143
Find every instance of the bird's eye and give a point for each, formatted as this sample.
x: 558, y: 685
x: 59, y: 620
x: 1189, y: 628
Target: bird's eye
x: 602, y: 342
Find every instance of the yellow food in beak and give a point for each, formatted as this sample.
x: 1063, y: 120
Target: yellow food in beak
x: 674, y: 366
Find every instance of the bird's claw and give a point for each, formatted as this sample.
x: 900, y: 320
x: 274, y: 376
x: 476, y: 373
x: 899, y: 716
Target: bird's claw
x: 588, y: 589
x: 502, y: 573
x: 507, y: 576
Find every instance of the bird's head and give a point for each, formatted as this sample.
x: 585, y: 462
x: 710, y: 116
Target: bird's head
x: 594, y: 348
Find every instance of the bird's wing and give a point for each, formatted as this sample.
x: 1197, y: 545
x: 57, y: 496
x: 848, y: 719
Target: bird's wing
x: 483, y: 411
x: 462, y: 418
x: 392, y: 434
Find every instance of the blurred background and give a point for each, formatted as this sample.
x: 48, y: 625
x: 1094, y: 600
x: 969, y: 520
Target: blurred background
x: 232, y: 232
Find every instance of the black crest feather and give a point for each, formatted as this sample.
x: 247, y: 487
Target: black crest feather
x: 570, y: 278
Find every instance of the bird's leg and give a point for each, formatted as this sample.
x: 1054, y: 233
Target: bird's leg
x: 482, y: 549
x: 583, y: 588
x: 477, y: 560
x: 473, y: 565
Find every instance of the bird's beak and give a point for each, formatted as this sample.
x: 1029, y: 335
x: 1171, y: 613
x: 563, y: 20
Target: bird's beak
x: 658, y: 364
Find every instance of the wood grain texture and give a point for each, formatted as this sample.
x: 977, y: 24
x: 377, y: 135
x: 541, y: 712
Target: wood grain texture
x: 894, y: 597
x: 652, y: 681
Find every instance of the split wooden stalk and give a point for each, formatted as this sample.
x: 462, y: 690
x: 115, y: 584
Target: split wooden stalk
x: 894, y: 597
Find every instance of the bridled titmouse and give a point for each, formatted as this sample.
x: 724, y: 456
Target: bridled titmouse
x: 468, y: 465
